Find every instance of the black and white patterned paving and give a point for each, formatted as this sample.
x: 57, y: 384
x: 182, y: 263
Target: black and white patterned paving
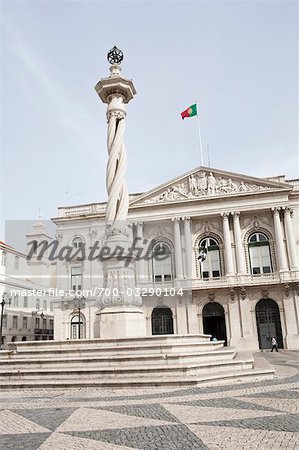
x: 259, y: 415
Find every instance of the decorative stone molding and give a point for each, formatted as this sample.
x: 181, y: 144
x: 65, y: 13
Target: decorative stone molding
x: 201, y: 184
x: 232, y: 294
x: 265, y: 293
x: 243, y: 293
x: 287, y: 289
x: 211, y: 296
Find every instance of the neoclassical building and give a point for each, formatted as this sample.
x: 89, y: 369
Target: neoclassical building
x: 227, y: 259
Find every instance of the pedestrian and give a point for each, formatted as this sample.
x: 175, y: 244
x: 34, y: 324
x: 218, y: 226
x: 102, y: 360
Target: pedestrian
x: 274, y: 344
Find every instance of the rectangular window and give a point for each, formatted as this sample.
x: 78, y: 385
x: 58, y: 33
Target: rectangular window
x: 25, y: 302
x: 76, y: 279
x: 44, y: 324
x: 37, y: 303
x: 15, y: 322
x: 16, y: 263
x: 16, y: 301
x: 45, y: 305
x: 25, y: 322
x: 37, y: 322
x: 51, y: 324
x: 3, y: 258
x: 4, y: 323
x: 51, y: 306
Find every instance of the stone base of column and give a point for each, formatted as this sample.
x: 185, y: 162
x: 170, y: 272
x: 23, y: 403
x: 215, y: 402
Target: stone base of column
x: 292, y: 341
x: 120, y: 322
x: 245, y: 344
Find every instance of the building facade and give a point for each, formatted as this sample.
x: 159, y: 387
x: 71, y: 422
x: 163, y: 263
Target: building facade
x: 221, y: 258
x: 24, y: 285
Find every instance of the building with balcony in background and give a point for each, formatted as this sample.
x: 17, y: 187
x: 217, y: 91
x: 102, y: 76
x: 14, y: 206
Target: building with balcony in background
x: 230, y: 267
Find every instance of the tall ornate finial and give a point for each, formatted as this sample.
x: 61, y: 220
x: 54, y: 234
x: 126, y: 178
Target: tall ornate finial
x: 115, y: 56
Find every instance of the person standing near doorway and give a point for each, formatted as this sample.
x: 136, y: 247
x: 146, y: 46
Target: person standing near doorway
x: 274, y: 344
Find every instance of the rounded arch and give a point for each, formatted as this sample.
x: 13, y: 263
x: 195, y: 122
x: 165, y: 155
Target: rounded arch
x: 209, y: 255
x: 268, y: 323
x: 24, y: 338
x: 213, y: 315
x: 13, y: 339
x: 268, y: 234
x: 77, y: 241
x: 78, y: 326
x: 162, y: 320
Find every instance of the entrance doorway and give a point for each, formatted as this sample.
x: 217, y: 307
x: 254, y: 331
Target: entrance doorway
x: 77, y: 327
x: 214, y: 321
x: 268, y: 323
x: 162, y: 321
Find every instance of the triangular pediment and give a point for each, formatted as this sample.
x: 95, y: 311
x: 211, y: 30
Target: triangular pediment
x: 205, y: 182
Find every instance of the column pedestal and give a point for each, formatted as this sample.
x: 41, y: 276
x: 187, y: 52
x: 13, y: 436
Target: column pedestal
x: 119, y: 313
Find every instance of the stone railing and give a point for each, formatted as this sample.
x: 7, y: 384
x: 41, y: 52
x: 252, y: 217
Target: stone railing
x: 229, y: 281
x: 295, y: 182
x: 79, y: 210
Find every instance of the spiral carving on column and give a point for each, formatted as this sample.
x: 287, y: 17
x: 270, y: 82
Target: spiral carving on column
x: 118, y: 197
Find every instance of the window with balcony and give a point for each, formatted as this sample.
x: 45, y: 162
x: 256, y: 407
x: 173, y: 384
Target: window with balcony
x: 162, y: 263
x: 209, y: 258
x: 76, y: 278
x: 259, y: 254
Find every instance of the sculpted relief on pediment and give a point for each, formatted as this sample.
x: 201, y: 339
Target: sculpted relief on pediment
x: 204, y: 184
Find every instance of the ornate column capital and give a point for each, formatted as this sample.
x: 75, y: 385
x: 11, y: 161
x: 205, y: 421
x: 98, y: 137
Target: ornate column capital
x: 276, y: 210
x: 225, y: 215
x: 139, y: 224
x: 288, y: 211
x: 236, y: 215
x: 186, y: 219
x: 176, y: 219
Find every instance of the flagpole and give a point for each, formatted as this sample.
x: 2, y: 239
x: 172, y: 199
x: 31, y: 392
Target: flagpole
x: 199, y: 136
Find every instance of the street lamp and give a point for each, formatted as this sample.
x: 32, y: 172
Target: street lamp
x: 79, y: 303
x: 3, y: 303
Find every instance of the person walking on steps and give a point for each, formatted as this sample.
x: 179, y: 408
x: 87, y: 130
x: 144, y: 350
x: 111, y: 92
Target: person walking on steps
x: 274, y: 344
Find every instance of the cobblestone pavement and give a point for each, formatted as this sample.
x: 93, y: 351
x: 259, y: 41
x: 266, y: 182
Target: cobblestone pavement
x: 259, y: 415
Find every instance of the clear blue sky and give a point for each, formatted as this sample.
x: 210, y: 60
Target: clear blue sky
x: 237, y: 58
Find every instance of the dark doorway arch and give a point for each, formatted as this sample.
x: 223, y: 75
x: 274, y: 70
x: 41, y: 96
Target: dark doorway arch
x: 162, y: 320
x: 214, y: 321
x: 268, y: 323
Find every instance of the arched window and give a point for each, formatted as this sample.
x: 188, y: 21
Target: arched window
x: 162, y: 263
x: 162, y: 321
x: 77, y: 327
x: 259, y: 254
x: 209, y: 258
x: 77, y: 242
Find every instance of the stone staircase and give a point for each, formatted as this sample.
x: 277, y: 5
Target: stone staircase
x: 168, y: 360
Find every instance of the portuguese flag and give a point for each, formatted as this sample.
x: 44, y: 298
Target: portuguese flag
x: 189, y: 112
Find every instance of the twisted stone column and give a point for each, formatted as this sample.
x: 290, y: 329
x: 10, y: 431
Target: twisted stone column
x: 118, y: 197
x: 119, y: 313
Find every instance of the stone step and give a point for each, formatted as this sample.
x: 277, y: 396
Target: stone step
x: 220, y: 377
x: 61, y: 360
x: 20, y: 351
x: 127, y: 372
x: 120, y: 342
